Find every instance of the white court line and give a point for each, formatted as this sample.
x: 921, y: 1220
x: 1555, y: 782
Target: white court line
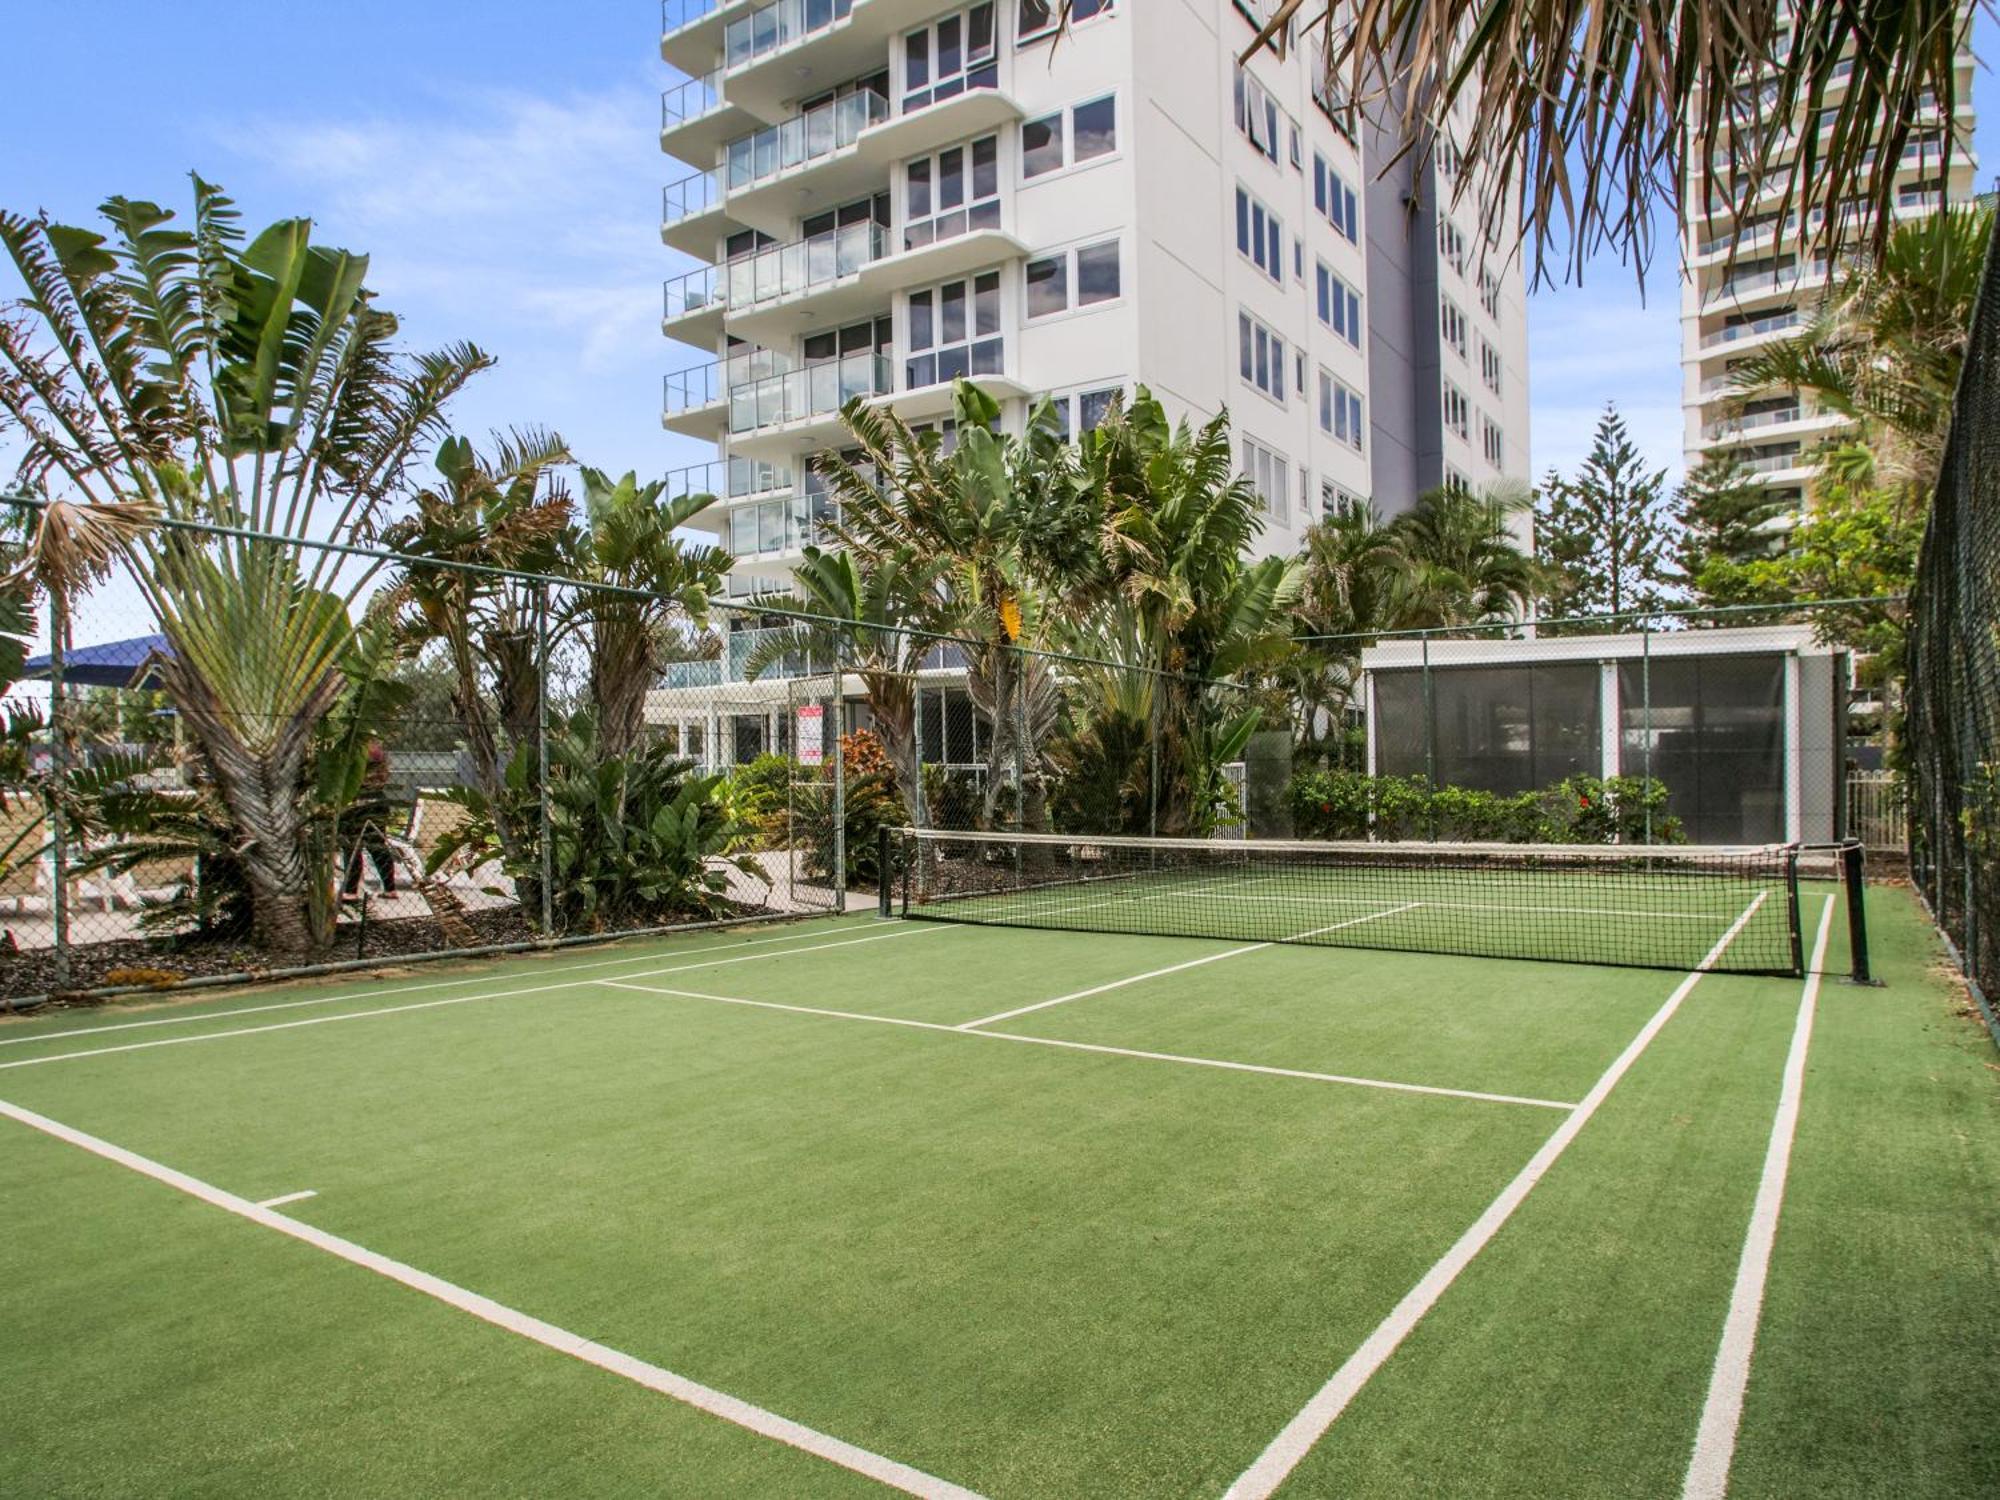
x: 374, y: 994
x: 703, y: 1398
x: 1566, y: 911
x: 1284, y: 1451
x: 283, y: 1198
x: 1722, y: 1412
x: 1119, y: 984
x: 395, y: 1010
x: 1050, y: 1041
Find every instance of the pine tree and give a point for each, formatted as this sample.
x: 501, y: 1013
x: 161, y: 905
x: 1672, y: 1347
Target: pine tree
x: 1605, y: 537
x: 1724, y: 517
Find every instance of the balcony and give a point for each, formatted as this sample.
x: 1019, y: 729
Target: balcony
x: 1736, y: 427
x: 728, y: 479
x: 691, y: 397
x: 755, y: 166
x: 1765, y: 284
x: 763, y: 50
x: 691, y: 213
x: 804, y: 404
x: 698, y: 116
x: 1723, y: 337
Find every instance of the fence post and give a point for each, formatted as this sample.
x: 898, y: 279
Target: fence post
x: 1646, y: 719
x: 546, y: 843
x: 1430, y: 740
x: 839, y: 717
x: 59, y: 770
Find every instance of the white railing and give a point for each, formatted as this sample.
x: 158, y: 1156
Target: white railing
x: 1876, y: 812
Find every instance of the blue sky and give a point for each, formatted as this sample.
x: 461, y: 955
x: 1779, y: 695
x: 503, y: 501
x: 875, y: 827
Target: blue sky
x: 500, y: 163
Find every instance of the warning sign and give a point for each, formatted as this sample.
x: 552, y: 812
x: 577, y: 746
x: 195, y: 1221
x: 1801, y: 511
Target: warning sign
x: 811, y: 735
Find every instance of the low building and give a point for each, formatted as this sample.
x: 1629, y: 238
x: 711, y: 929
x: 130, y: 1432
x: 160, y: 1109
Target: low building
x: 1746, y: 727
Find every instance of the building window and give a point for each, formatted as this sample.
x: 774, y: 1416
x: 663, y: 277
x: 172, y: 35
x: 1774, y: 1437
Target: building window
x: 1450, y: 161
x: 949, y: 56
x: 1270, y: 477
x: 1327, y: 92
x: 1339, y: 305
x: 1489, y: 366
x: 1339, y: 411
x: 1050, y: 279
x: 1037, y: 18
x: 954, y: 330
x: 1261, y: 356
x: 1455, y: 482
x: 1092, y: 132
x: 1492, y: 442
x: 1338, y: 502
x: 952, y: 193
x: 1088, y: 407
x: 1451, y: 245
x: 1261, y: 236
x: 1335, y: 199
x: 1451, y: 322
x: 1257, y: 115
x: 1489, y: 293
x: 1457, y: 411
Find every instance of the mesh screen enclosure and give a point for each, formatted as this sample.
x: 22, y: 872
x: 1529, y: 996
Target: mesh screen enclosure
x: 1952, y: 731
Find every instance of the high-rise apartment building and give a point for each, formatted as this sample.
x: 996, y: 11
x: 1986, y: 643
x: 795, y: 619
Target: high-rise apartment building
x: 886, y: 194
x: 1753, y: 278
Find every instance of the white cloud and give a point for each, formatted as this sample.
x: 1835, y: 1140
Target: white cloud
x: 528, y: 225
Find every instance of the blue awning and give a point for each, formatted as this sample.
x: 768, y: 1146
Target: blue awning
x: 112, y: 664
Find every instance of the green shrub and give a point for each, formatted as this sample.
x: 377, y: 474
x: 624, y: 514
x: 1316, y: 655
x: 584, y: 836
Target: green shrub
x: 1578, y: 810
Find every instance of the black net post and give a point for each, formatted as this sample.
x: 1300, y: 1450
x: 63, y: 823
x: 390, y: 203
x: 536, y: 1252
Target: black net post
x: 1859, y: 969
x: 885, y: 872
x: 1792, y: 919
x: 1646, y: 720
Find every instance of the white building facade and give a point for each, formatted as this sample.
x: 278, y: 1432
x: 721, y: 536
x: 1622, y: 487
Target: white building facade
x: 885, y: 194
x: 1752, y: 279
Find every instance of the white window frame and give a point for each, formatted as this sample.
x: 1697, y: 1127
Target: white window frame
x: 1065, y: 121
x: 1492, y: 441
x: 1452, y: 325
x: 1335, y: 201
x: 1492, y: 369
x: 1258, y: 345
x: 972, y: 336
x: 1336, y: 304
x: 971, y: 206
x: 1341, y: 414
x: 1457, y: 412
x: 1051, y: 9
x: 1489, y: 292
x: 958, y: 82
x: 1257, y: 112
x: 1269, y: 473
x: 1072, y: 281
x: 1259, y: 224
x: 1451, y: 245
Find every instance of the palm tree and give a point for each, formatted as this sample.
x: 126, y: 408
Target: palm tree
x: 250, y: 385
x: 1583, y: 113
x: 975, y: 511
x: 873, y: 615
x: 648, y: 582
x: 1354, y: 584
x: 507, y: 512
x: 1885, y: 347
x: 1172, y: 546
x: 1466, y: 564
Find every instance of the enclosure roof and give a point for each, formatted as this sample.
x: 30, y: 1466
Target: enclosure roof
x: 1734, y: 640
x: 109, y: 664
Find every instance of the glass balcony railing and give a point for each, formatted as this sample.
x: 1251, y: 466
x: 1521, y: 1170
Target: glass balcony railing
x: 770, y: 27
x: 789, y: 270
x: 732, y: 661
x: 705, y: 385
x: 1748, y: 330
x: 695, y: 193
x: 692, y: 100
x: 819, y: 131
x: 674, y: 14
x: 816, y: 390
x: 730, y: 478
x: 1763, y: 282
x: 700, y: 290
x: 1736, y: 426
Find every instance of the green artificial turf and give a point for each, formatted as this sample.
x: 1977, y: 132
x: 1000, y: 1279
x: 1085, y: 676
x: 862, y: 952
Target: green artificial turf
x: 1030, y: 1270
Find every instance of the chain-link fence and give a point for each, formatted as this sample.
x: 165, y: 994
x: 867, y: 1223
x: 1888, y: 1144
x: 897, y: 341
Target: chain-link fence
x: 1954, y: 668
x: 496, y: 759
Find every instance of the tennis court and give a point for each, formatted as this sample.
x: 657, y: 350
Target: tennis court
x: 860, y: 1205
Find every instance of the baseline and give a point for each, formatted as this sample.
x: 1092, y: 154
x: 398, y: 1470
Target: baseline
x: 1283, y: 1453
x: 1722, y: 1410
x: 393, y: 1010
x: 1073, y: 1046
x: 911, y: 1481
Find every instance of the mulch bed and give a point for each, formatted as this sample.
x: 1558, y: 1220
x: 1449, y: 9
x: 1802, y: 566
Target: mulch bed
x: 99, y: 965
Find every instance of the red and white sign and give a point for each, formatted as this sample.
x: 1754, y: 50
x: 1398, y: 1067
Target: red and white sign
x: 812, y: 735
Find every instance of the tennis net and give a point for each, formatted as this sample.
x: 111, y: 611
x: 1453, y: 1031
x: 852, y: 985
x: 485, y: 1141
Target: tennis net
x: 1729, y: 910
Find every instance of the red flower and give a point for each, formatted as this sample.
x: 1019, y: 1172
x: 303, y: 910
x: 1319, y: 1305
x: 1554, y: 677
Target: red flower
x: 1326, y: 807
x: 1584, y: 803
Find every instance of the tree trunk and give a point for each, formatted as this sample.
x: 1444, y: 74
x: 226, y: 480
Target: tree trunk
x: 893, y: 701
